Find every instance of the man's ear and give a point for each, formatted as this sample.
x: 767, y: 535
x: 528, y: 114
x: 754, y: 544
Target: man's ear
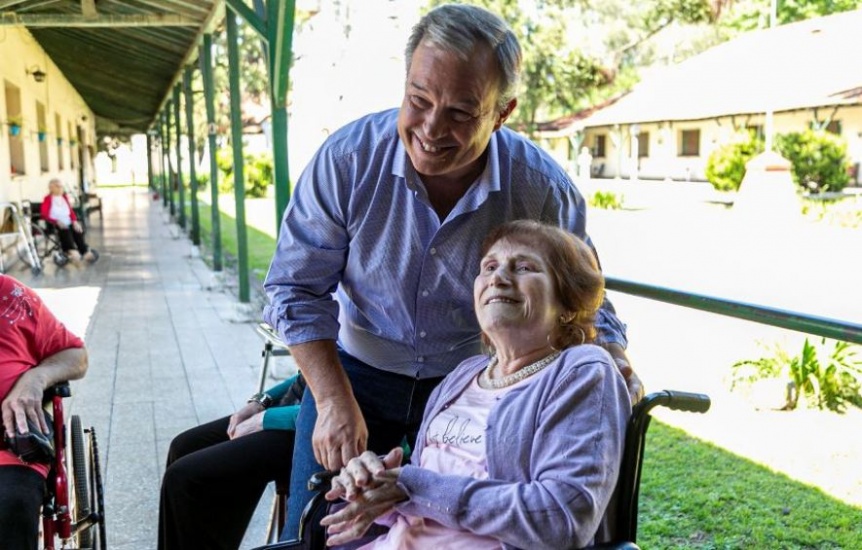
x: 504, y: 114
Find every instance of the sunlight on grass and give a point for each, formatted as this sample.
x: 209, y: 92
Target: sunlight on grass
x: 695, y: 495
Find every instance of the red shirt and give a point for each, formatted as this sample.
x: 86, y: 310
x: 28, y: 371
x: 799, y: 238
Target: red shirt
x: 29, y: 333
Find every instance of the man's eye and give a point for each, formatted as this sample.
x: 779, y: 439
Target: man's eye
x: 461, y: 116
x: 419, y: 102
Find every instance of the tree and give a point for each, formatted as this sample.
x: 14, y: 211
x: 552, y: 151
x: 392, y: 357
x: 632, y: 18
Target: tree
x: 754, y: 14
x: 563, y: 67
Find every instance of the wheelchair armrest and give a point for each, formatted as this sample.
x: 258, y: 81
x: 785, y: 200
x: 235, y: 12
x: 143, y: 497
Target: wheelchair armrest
x: 614, y: 546
x: 61, y: 389
x: 321, y: 481
x: 288, y: 545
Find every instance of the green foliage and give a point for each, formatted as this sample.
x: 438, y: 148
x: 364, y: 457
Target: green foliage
x: 845, y: 212
x: 819, y: 159
x: 725, y: 167
x: 607, y: 200
x: 257, y: 172
x: 828, y: 378
x: 753, y: 14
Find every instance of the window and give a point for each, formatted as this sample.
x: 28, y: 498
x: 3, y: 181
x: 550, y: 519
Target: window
x: 599, y: 146
x: 689, y: 143
x: 14, y: 123
x: 58, y: 125
x: 643, y: 145
x: 42, y: 133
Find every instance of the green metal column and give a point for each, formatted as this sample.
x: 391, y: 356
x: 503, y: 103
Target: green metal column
x: 190, y: 133
x: 150, y: 179
x: 163, y: 171
x: 209, y: 99
x: 173, y: 204
x: 236, y: 142
x: 180, y: 184
x: 280, y: 28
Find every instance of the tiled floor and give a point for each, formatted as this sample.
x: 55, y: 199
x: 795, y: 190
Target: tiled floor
x: 169, y: 348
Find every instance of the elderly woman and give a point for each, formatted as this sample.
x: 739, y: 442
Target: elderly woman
x: 57, y: 210
x: 519, y: 449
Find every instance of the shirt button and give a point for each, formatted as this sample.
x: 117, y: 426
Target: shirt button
x: 420, y: 359
x: 433, y: 251
x: 424, y: 293
x: 423, y: 334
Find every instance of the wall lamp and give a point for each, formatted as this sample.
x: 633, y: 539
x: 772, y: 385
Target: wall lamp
x: 37, y: 73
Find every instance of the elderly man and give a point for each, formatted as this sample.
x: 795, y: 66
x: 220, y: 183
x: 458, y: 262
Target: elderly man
x: 370, y: 285
x: 36, y: 352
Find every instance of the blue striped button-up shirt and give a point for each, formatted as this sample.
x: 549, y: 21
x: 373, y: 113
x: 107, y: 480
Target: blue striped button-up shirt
x: 362, y: 257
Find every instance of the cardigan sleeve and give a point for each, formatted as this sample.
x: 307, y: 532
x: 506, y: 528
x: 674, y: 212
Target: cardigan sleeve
x: 571, y: 461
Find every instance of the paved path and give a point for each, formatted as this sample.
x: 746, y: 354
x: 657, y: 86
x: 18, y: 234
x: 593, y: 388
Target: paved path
x: 166, y: 353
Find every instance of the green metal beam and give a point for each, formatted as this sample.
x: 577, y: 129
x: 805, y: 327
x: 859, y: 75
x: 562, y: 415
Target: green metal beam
x: 173, y: 205
x: 190, y: 133
x: 33, y: 21
x: 151, y: 180
x: 209, y: 99
x: 249, y: 16
x: 800, y: 322
x: 164, y: 172
x: 281, y: 21
x: 238, y: 172
x: 180, y: 184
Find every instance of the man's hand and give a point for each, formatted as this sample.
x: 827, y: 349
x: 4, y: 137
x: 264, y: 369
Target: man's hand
x: 25, y: 402
x: 340, y: 432
x: 247, y: 420
x: 369, y: 484
x: 633, y: 381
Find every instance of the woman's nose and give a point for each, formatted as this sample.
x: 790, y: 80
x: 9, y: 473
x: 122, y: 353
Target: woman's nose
x: 499, y: 277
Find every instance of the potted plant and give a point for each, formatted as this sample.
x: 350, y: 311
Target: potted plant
x: 42, y: 133
x: 14, y: 124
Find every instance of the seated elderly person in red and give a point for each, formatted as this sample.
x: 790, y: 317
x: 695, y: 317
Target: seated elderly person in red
x: 518, y: 449
x: 57, y: 210
x: 36, y: 352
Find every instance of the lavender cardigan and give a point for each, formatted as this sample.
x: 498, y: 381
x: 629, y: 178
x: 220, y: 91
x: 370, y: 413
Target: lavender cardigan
x: 554, y: 451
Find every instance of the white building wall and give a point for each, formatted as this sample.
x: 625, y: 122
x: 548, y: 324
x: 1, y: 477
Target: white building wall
x: 20, y: 53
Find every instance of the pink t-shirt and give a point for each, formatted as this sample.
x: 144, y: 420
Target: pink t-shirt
x: 29, y: 333
x: 455, y: 445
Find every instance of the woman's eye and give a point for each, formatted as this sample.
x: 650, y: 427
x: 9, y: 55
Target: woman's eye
x: 525, y: 267
x: 489, y: 267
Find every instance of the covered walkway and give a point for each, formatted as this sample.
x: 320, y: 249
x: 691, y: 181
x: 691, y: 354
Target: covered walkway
x: 168, y: 350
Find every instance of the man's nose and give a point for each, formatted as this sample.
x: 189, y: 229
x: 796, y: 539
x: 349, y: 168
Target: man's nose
x: 435, y: 126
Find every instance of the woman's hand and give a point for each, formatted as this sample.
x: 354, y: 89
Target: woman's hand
x: 77, y: 227
x: 245, y: 416
x: 369, y: 485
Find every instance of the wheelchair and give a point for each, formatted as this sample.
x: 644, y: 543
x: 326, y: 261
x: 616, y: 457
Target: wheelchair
x: 312, y: 535
x: 42, y: 241
x: 73, y: 507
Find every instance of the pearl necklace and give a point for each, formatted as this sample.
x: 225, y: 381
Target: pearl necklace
x: 515, y: 377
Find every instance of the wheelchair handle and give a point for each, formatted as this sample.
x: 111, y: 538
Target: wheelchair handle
x: 677, y: 400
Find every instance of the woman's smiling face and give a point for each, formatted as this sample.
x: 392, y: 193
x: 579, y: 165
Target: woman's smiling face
x: 515, y: 289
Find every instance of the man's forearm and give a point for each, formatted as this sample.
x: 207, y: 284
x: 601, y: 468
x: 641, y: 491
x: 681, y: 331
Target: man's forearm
x: 69, y: 364
x: 318, y: 361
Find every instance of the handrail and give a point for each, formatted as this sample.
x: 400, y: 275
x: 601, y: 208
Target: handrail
x: 801, y: 322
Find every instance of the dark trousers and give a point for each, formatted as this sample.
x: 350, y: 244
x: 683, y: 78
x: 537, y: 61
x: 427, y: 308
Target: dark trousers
x: 72, y: 240
x: 21, y: 494
x: 392, y: 406
x: 212, y: 484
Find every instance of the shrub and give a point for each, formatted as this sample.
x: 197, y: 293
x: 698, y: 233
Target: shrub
x: 257, y: 172
x: 725, y: 167
x: 829, y: 379
x: 819, y: 159
x: 607, y: 200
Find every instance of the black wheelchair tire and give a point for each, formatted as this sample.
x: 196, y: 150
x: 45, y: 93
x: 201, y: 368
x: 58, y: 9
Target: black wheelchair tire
x: 80, y: 483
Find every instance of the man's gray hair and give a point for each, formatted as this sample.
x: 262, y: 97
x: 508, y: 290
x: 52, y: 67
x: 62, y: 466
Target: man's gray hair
x: 459, y: 29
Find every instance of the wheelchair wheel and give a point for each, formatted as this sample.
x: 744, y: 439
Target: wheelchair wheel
x: 88, y: 503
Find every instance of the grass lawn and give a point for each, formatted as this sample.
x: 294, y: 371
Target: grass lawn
x: 693, y: 494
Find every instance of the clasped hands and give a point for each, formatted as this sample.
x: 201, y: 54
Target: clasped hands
x: 369, y: 486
